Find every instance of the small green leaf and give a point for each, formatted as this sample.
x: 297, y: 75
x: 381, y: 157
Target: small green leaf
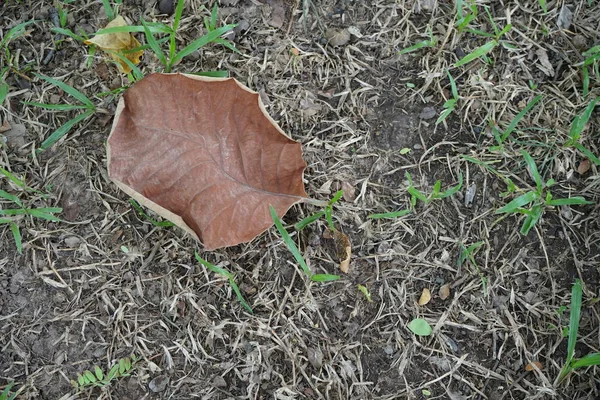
x: 324, y: 278
x: 365, y: 292
x: 17, y: 237
x: 519, y: 202
x: 89, y: 376
x: 309, y: 220
x: 81, y: 380
x: 68, y: 89
x: 63, y: 130
x: 417, y: 46
x: 289, y: 242
x: 99, y: 373
x: 154, y: 44
x: 200, y: 42
x: 113, y: 373
x: 212, y: 74
x: 533, y: 171
x: 390, y: 215
x: 420, y: 327
x: 569, y: 201
x: 3, y: 92
x: 405, y: 150
x: 586, y: 361
x: 478, y: 52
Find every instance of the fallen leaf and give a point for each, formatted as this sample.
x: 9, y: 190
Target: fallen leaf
x: 5, y: 126
x: 204, y: 154
x: 277, y: 13
x: 546, y: 67
x: 337, y: 37
x: 565, y: 17
x: 425, y: 297
x: 420, y: 327
x: 343, y: 248
x: 584, y: 167
x: 118, y: 43
x: 530, y: 366
x: 444, y: 291
x: 349, y: 191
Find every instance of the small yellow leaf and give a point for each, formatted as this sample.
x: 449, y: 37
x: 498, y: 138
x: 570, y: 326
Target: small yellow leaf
x: 119, y: 43
x: 530, y: 366
x: 425, y: 297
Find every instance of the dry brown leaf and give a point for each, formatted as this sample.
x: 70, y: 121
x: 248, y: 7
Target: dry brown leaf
x: 425, y: 297
x: 530, y: 366
x: 5, y: 127
x: 584, y: 166
x: 444, y: 291
x: 342, y: 246
x: 118, y: 43
x: 349, y: 192
x: 204, y: 154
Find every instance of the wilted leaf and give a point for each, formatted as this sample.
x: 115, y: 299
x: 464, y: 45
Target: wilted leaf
x: 584, y: 167
x: 203, y: 153
x: 349, y: 191
x: 420, y: 327
x: 119, y: 42
x: 425, y: 297
x: 444, y: 291
x: 342, y: 247
x: 530, y: 366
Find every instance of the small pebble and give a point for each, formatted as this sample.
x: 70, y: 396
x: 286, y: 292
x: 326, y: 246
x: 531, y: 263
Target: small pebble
x: 219, y: 382
x: 158, y: 384
x: 428, y: 113
x: 166, y: 7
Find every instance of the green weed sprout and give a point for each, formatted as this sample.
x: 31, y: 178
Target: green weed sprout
x: 511, y: 187
x: 415, y: 194
x: 327, y: 213
x: 84, y: 104
x: 468, y: 253
x: 431, y: 42
x: 98, y: 378
x: 482, y: 51
x: 572, y: 363
x: 140, y: 211
x: 450, y: 103
x: 173, y: 57
x: 110, y: 11
x: 577, y: 128
x: 12, y: 34
x: 532, y: 203
x: 502, y: 136
x: 6, y: 395
x: 223, y: 272
x: 10, y: 216
x: 296, y: 253
x: 592, y: 59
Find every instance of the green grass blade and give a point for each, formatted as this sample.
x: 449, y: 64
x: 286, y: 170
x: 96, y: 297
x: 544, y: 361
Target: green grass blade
x: 200, y: 42
x: 13, y: 211
x: 580, y: 121
x: 69, y: 33
x: 575, y: 315
x: 58, y: 107
x: 336, y: 197
x: 238, y: 293
x: 414, y: 192
x: 390, y: 215
x: 212, y: 74
x: 309, y: 220
x: 178, y: 13
x: 108, y: 10
x: 587, y: 361
x: 154, y: 45
x: 452, y: 85
x: 417, y: 46
x: 518, y: 202
x: 63, y: 130
x: 588, y: 153
x: 137, y: 73
x: 569, y: 201
x: 533, y: 216
x: 478, y: 52
x: 229, y: 276
x: 6, y: 391
x: 68, y: 89
x: 289, y: 242
x: 17, y: 236
x: 452, y: 190
x: 3, y: 92
x: 10, y: 197
x: 324, y: 278
x: 43, y: 214
x: 533, y: 171
x: 15, y: 32
x: 513, y: 124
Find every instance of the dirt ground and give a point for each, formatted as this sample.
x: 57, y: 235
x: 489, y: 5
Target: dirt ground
x: 331, y: 74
